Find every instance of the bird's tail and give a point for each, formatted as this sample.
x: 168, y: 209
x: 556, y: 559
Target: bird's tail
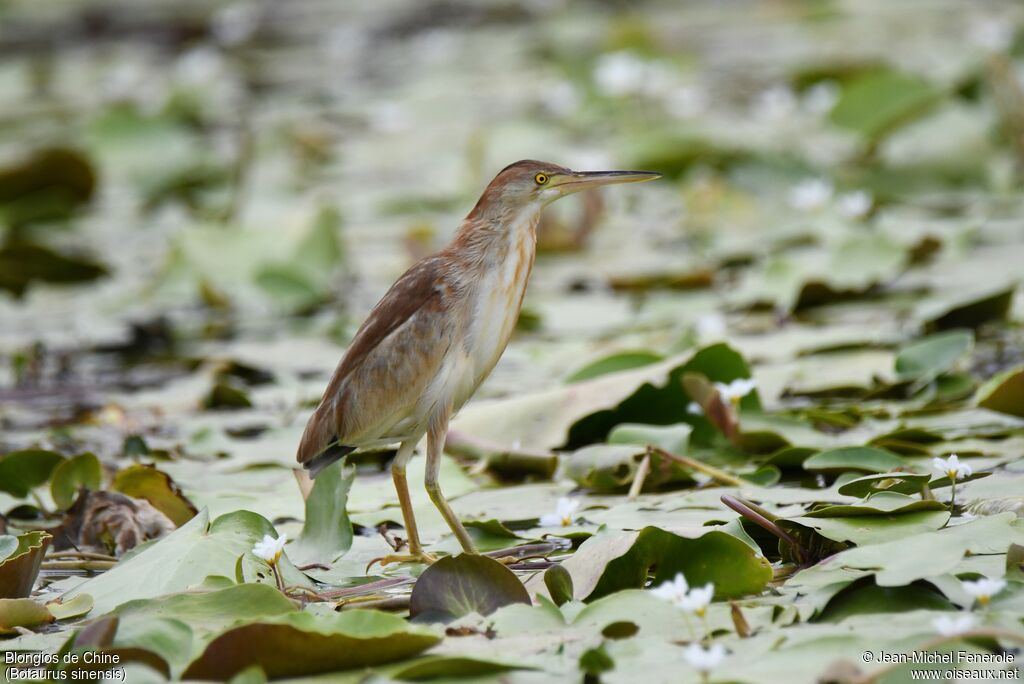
x: 319, y: 445
x: 317, y: 464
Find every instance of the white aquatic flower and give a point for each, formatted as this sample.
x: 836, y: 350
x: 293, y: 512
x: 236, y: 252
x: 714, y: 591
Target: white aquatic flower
x: 993, y: 34
x: 952, y: 467
x: 821, y: 97
x: 711, y: 327
x: 775, y: 103
x: 563, y: 515
x: 698, y: 599
x: 855, y: 204
x: 270, y: 549
x: 704, y: 659
x: 626, y: 73
x: 810, y: 194
x: 737, y: 389
x: 984, y: 589
x: 951, y: 625
x: 673, y: 590
x: 694, y: 408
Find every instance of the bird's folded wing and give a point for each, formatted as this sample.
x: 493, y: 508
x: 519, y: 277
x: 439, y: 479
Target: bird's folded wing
x: 392, y: 358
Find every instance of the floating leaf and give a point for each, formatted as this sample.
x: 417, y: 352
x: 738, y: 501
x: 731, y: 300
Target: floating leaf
x: 925, y: 359
x: 21, y: 264
x: 20, y: 471
x: 1004, y: 393
x: 22, y: 612
x: 606, y: 563
x: 877, y: 103
x: 297, y: 644
x: 19, y: 570
x: 185, y: 557
x: 65, y: 610
x: 82, y: 471
x: 459, y: 585
x: 613, y: 364
x: 559, y: 584
x: 863, y: 459
x: 141, y: 481
x: 326, y: 531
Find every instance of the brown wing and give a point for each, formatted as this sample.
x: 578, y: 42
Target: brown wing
x: 392, y: 356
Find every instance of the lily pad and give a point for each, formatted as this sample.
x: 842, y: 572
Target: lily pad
x: 327, y: 531
x: 296, y: 644
x: 72, y: 474
x: 142, y: 481
x: 19, y: 569
x: 468, y: 583
x: 21, y: 471
x: 607, y: 563
x: 1004, y: 393
x: 862, y: 459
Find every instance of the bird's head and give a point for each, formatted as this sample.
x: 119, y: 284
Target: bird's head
x: 529, y: 183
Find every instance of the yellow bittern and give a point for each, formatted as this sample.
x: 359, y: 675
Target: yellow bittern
x: 436, y: 335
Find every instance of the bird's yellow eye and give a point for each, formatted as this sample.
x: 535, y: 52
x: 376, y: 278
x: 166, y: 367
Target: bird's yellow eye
x: 540, y: 178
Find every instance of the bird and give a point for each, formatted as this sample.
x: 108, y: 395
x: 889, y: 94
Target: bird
x: 435, y: 336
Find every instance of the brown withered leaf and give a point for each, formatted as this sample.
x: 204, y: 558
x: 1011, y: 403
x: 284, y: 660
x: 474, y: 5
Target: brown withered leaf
x: 108, y: 522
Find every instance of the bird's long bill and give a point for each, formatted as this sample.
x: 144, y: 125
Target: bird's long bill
x: 583, y: 180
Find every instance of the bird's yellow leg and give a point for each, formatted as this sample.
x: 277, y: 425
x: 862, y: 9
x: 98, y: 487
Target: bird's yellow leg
x: 416, y: 553
x: 435, y: 445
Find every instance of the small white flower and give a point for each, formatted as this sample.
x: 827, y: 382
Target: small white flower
x: 711, y: 327
x: 821, y: 97
x: 992, y: 34
x: 775, y: 103
x: 854, y: 204
x: 235, y: 23
x: 984, y: 589
x: 563, y: 515
x: 698, y: 599
x: 736, y: 390
x: 673, y: 590
x: 950, y: 625
x: 270, y: 549
x: 625, y: 73
x: 810, y: 194
x: 694, y: 408
x: 704, y: 659
x: 952, y: 467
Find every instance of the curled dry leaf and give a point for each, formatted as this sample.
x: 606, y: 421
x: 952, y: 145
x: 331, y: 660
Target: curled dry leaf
x: 108, y: 522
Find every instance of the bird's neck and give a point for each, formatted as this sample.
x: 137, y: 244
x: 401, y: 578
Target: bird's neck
x: 486, y: 241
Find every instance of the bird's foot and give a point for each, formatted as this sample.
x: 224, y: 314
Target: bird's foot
x: 421, y: 557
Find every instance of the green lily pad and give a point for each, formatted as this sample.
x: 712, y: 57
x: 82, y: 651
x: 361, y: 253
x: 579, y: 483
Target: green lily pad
x: 608, y: 562
x: 327, y: 532
x: 1004, y: 392
x: 184, y: 558
x: 458, y: 585
x: 20, y: 471
x: 863, y: 459
x: 925, y: 359
x: 904, y: 483
x: 19, y: 570
x: 877, y: 103
x: 614, y: 363
x: 79, y: 471
x: 296, y: 644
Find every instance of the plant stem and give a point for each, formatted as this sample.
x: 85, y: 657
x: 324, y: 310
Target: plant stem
x: 60, y: 555
x: 719, y: 476
x: 77, y: 565
x: 641, y: 474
